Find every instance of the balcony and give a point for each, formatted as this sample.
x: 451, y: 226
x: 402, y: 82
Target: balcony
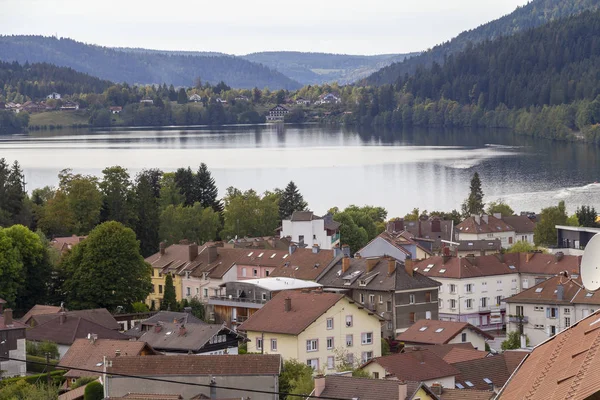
x: 239, y: 319
x: 335, y: 238
x: 236, y: 302
x: 515, y: 319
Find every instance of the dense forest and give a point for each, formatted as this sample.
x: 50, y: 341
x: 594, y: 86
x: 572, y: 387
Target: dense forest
x: 141, y: 67
x: 534, y: 14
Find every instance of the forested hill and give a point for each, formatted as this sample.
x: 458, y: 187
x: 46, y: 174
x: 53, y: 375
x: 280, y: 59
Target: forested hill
x: 137, y: 67
x: 534, y: 14
x: 40, y: 79
x: 318, y: 68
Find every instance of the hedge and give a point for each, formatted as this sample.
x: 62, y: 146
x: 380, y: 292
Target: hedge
x: 56, y: 377
x: 33, y: 367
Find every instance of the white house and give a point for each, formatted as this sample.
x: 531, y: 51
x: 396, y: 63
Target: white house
x: 509, y: 230
x: 329, y: 98
x: 302, y: 101
x: 53, y: 95
x: 277, y: 113
x: 550, y: 307
x: 305, y: 227
x: 195, y: 98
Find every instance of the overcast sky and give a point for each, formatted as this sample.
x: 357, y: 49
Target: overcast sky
x: 246, y: 26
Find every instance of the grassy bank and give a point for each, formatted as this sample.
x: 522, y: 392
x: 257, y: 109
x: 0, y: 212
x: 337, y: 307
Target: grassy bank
x: 62, y: 118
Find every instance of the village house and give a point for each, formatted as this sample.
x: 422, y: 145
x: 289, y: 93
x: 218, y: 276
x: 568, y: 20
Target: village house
x: 432, y: 332
x: 248, y: 371
x: 221, y: 101
x: 242, y: 98
x: 244, y: 297
x: 509, y: 230
x: 195, y: 98
x: 54, y: 96
x: 523, y: 225
x: 315, y: 328
x: 64, y: 244
x: 147, y: 100
x: 433, y: 228
x: 39, y: 309
x: 301, y: 101
x: 303, y: 227
x: 451, y: 353
x: 306, y: 263
x: 481, y: 247
x: 33, y: 107
x: 329, y: 98
x: 573, y: 239
x: 266, y: 242
x: 385, y: 287
x: 116, y: 109
x: 398, y: 245
x: 162, y: 316
x: 487, y: 373
x: 277, y: 113
x: 12, y: 344
x: 89, y: 354
x: 562, y: 367
x: 69, y: 106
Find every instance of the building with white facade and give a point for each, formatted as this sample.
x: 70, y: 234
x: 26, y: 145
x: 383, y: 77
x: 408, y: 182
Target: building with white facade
x: 509, y: 230
x: 303, y: 227
x: 397, y: 245
x: 550, y: 307
x: 12, y: 344
x: 53, y: 95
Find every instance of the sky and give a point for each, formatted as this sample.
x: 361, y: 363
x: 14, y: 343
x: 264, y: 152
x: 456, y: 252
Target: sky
x: 247, y: 26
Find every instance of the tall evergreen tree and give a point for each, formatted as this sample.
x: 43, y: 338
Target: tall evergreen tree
x: 207, y: 189
x: 116, y: 190
x: 169, y: 301
x: 291, y: 200
x: 148, y: 213
x: 185, y: 181
x: 182, y: 96
x: 12, y: 192
x: 473, y: 205
x: 587, y: 216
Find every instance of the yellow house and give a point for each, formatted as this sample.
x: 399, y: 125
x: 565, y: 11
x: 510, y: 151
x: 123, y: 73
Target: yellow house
x: 323, y: 330
x: 348, y: 387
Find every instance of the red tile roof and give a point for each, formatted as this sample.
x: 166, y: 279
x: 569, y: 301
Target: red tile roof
x: 305, y: 309
x: 304, y: 264
x: 421, y: 365
x: 496, y: 368
x: 565, y: 366
x: 348, y: 387
x: 493, y: 225
x: 429, y: 331
x: 100, y: 316
x: 459, y: 355
x: 39, y: 309
x: 190, y: 365
x: 464, y: 394
x: 15, y: 324
x: 521, y: 223
x: 546, y: 292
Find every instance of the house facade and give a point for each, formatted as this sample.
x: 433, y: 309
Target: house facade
x: 486, y: 227
x: 305, y: 227
x: 433, y: 228
x: 195, y: 98
x: 54, y: 95
x: 320, y: 329
x: 574, y: 237
x: 12, y: 344
x: 277, y: 114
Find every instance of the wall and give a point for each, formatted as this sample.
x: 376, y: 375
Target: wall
x: 379, y: 307
x: 472, y: 337
x: 506, y: 238
x: 403, y: 307
x: 120, y: 386
x: 15, y: 368
x: 62, y: 350
x: 157, y: 279
x: 313, y: 231
x: 379, y: 247
x: 253, y: 271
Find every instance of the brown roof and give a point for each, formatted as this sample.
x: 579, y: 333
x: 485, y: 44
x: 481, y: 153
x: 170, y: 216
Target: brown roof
x: 246, y: 364
x: 73, y: 328
x: 420, y: 365
x: 15, y: 324
x: 442, y: 349
x: 457, y: 355
x: 305, y: 264
x: 87, y: 355
x: 496, y: 368
x: 396, y: 240
x: 546, y: 264
x: 564, y: 366
x: 546, y: 292
x: 493, y: 224
x: 348, y: 387
x: 74, y: 394
x: 303, y: 216
x: 464, y: 394
x: 149, y: 396
x: 100, y: 316
x: 521, y: 223
x: 39, y: 309
x: 66, y: 243
x: 169, y: 337
x: 430, y: 331
x: 306, y: 308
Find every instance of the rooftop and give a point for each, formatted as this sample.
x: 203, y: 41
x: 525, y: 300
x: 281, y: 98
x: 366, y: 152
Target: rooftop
x: 348, y: 387
x: 420, y: 365
x: 39, y: 309
x: 163, y: 316
x: 100, y: 316
x: 429, y: 331
x: 305, y: 264
x: 484, y: 224
x: 521, y: 223
x: 461, y: 394
x: 172, y: 337
x: 478, y: 245
x: 281, y: 283
x: 72, y: 328
x: 477, y: 374
x: 453, y: 353
x: 547, y: 292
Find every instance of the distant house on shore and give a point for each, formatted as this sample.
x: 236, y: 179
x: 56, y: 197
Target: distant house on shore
x: 301, y: 101
x: 277, y: 113
x: 53, y: 95
x: 195, y: 98
x: 69, y: 106
x: 242, y: 98
x: 146, y: 100
x: 220, y: 100
x: 329, y: 98
x: 33, y: 107
x: 116, y: 109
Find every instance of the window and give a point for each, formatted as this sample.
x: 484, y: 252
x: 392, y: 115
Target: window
x: 267, y: 272
x: 273, y: 344
x: 520, y: 310
x: 412, y: 317
x: 452, y: 304
x: 372, y: 299
x: 301, y: 238
x: 349, y: 340
x: 469, y: 303
x: 259, y: 343
x: 483, y: 287
x: 381, y: 299
x: 205, y: 292
x: 567, y: 311
x: 329, y: 323
x: 314, y: 236
x: 440, y: 304
x: 388, y: 306
x: 264, y: 297
x: 427, y: 297
x: 330, y: 362
x: 153, y: 289
x: 366, y: 356
x: 367, y: 338
x: 350, y: 358
x: 329, y: 343
x: 552, y: 330
x: 254, y: 272
x: 567, y: 322
x: 362, y: 298
x: 153, y: 272
x: 540, y: 326
x: 313, y: 363
x: 538, y: 308
x: 243, y: 272
x: 312, y: 345
x: 197, y: 291
x: 484, y: 302
x: 188, y: 291
x: 375, y: 375
x: 348, y: 320
x: 390, y: 325
x: 463, y: 337
x: 159, y: 288
x: 411, y: 298
x: 469, y: 288
x: 452, y: 288
x: 498, y: 300
x: 552, y: 312
x: 510, y: 240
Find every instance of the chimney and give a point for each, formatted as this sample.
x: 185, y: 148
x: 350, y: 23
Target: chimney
x: 8, y: 317
x: 477, y: 219
x: 436, y: 225
x: 163, y: 248
x: 500, y: 257
x: 559, y: 256
x: 192, y: 252
x: 357, y: 256
x: 287, y: 304
x: 157, y: 328
x: 436, y: 388
x: 345, y: 264
x: 399, y: 225
x: 337, y: 251
x: 447, y: 255
x: 182, y: 330
x: 62, y: 317
x: 346, y: 250
x: 529, y: 256
x: 94, y: 338
x: 320, y: 385
x: 409, y: 266
x: 117, y: 353
x: 292, y: 248
x: 315, y: 248
x: 402, y: 390
x: 212, y: 253
x: 391, y: 265
x: 560, y: 292
x: 485, y: 218
x: 371, y: 263
x: 389, y: 228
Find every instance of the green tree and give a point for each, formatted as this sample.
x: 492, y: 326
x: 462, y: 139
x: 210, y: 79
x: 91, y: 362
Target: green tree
x: 513, y: 341
x: 100, y: 118
x: 116, y: 189
x: 249, y: 214
x: 195, y: 223
x: 21, y: 390
x: 186, y: 181
x: 169, y: 192
x: 84, y: 380
x: 544, y: 233
x: 291, y: 200
x: 139, y: 307
x: 84, y: 199
x: 11, y: 269
x: 147, y: 190
x: 350, y: 233
x: 296, y: 378
x: 106, y: 270
x: 521, y: 247
x: 473, y: 205
x: 207, y: 189
x: 12, y: 192
x: 197, y: 308
x: 182, y: 96
x: 169, y: 301
x: 586, y: 216
x: 499, y: 207
x: 94, y: 391
x: 413, y: 215
x: 57, y: 218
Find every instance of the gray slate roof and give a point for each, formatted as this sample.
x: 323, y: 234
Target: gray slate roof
x: 165, y: 317
x: 170, y: 338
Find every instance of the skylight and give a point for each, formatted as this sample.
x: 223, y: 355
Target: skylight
x: 430, y: 266
x: 469, y: 384
x: 438, y: 330
x: 285, y: 256
x: 589, y: 294
x: 459, y: 386
x: 442, y: 271
x: 99, y: 364
x: 511, y: 266
x: 261, y: 254
x: 487, y: 380
x: 168, y: 333
x: 423, y: 328
x: 416, y: 269
x: 539, y: 290
x: 249, y: 254
x: 470, y: 244
x: 273, y: 255
x: 427, y: 270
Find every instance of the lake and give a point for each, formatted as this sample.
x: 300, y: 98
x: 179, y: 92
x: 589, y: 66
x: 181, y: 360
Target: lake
x: 428, y: 169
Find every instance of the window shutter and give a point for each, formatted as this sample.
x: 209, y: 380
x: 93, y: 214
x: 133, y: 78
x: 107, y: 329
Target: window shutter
x: 548, y: 312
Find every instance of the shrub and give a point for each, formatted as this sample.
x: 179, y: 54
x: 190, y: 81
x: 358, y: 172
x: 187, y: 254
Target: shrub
x: 94, y: 391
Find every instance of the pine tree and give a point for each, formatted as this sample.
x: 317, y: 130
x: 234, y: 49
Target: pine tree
x: 169, y: 301
x: 586, y: 216
x: 207, y: 189
x: 185, y: 181
x: 473, y: 205
x: 182, y: 96
x: 147, y: 212
x: 291, y: 200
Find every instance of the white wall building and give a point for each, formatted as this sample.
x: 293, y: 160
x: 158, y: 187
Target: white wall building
x: 305, y: 227
x: 12, y: 344
x: 53, y: 95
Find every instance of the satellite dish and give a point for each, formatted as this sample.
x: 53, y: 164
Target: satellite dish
x: 590, y: 265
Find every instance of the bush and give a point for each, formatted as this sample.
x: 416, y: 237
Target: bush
x: 84, y: 380
x: 140, y: 307
x: 56, y: 377
x: 40, y: 349
x: 94, y: 391
x: 33, y: 366
x: 513, y: 341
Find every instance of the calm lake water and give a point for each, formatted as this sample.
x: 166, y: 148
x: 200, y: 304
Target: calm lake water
x: 333, y: 166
